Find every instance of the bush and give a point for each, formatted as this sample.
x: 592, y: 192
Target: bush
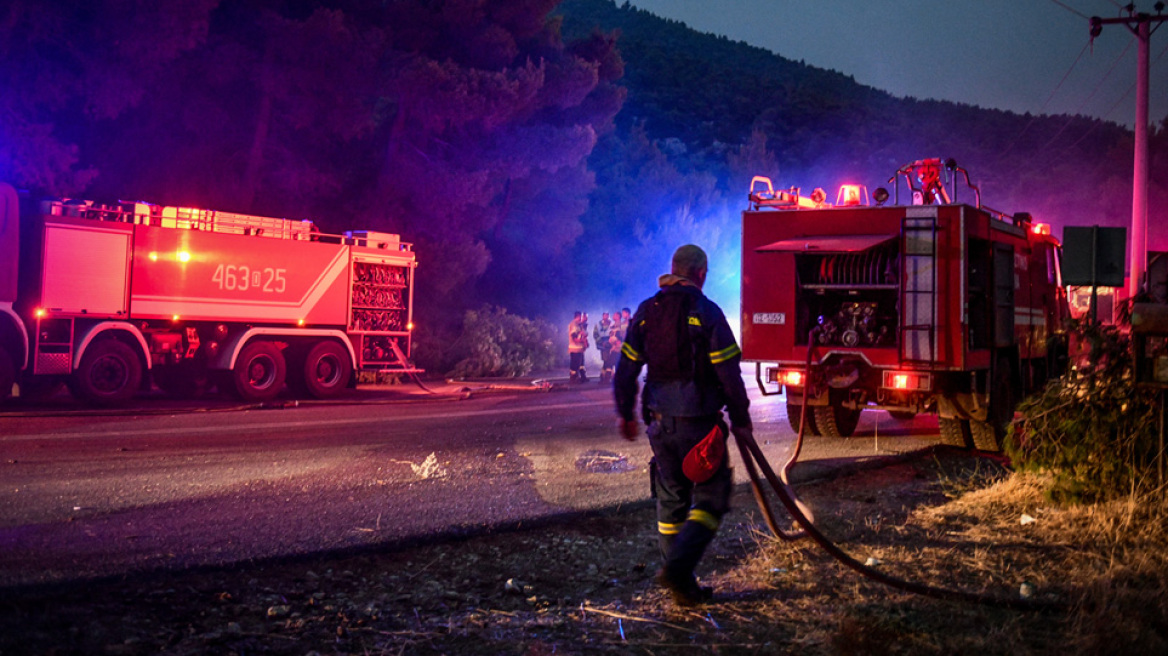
x: 1093, y: 428
x: 495, y: 343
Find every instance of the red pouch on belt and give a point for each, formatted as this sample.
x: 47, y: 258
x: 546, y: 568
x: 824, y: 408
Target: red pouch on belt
x: 706, y: 457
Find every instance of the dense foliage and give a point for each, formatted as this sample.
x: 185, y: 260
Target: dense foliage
x: 1094, y: 429
x: 464, y: 125
x: 495, y: 343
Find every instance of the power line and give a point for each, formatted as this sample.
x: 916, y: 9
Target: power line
x: 1070, y: 9
x: 1116, y: 104
x: 1042, y: 109
x: 1091, y: 95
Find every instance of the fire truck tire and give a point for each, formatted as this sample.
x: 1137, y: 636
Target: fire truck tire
x: 7, y: 374
x: 902, y: 415
x: 956, y: 432
x: 989, y: 434
x: 793, y: 411
x: 327, y: 369
x: 110, y: 372
x: 259, y: 372
x: 985, y: 437
x: 835, y: 420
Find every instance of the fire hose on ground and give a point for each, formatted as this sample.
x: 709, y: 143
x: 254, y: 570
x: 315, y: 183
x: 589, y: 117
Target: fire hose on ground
x: 754, y: 460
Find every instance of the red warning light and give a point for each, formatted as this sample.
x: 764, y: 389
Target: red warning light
x: 851, y: 195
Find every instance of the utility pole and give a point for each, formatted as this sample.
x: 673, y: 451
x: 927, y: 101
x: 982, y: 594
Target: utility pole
x: 1140, y: 25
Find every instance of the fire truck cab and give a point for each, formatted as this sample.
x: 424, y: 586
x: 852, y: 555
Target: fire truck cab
x: 107, y: 297
x: 934, y: 306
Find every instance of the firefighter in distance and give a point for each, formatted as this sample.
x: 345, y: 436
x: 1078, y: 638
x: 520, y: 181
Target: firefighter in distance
x: 577, y: 344
x: 693, y: 373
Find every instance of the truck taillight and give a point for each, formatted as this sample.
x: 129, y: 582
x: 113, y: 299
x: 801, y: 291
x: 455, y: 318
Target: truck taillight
x: 40, y: 312
x: 183, y: 256
x: 909, y: 381
x: 410, y: 326
x: 787, y: 377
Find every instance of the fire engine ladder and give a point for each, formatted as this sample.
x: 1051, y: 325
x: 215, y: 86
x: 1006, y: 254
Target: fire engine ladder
x: 918, y: 302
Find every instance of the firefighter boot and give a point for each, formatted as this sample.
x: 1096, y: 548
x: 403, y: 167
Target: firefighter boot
x: 665, y: 545
x: 677, y: 575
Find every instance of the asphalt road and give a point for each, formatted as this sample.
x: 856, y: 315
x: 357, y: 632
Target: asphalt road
x: 171, y: 485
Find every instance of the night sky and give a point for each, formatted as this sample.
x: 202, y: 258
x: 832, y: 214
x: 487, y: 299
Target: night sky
x: 1004, y: 54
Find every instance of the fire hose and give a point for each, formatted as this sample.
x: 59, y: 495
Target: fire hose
x: 753, y: 459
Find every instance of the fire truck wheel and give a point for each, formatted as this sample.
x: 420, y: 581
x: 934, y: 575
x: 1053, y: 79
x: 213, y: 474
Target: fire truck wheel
x: 259, y: 372
x: 988, y: 434
x: 327, y: 369
x: 902, y: 415
x: 835, y: 420
x: 955, y: 432
x: 793, y: 411
x: 985, y: 437
x: 7, y: 374
x: 110, y: 372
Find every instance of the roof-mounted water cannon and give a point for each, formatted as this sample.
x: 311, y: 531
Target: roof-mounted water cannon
x: 926, y: 178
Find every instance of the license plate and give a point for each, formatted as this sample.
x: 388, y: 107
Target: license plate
x: 773, y: 318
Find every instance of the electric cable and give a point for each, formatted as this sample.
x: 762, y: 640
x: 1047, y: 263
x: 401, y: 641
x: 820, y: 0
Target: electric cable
x: 1042, y: 109
x: 749, y: 449
x: 1071, y: 9
x: 1111, y: 110
x: 1091, y: 95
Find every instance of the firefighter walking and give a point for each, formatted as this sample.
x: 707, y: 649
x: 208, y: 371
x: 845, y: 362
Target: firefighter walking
x: 693, y: 373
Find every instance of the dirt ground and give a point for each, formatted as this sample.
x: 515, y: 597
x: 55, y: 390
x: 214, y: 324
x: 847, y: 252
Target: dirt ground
x: 584, y: 585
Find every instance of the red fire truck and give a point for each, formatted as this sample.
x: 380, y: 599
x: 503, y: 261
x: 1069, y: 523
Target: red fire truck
x: 109, y: 297
x: 933, y: 306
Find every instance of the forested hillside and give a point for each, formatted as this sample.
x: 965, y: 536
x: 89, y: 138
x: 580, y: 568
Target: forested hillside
x: 704, y: 113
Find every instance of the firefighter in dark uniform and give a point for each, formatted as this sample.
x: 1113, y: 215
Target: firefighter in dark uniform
x: 693, y: 373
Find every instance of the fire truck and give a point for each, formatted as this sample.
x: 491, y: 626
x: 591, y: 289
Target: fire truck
x: 109, y: 297
x: 932, y: 306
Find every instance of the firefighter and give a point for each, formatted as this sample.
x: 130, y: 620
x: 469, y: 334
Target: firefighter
x: 693, y: 373
x: 577, y: 344
x: 600, y: 335
x: 616, y: 338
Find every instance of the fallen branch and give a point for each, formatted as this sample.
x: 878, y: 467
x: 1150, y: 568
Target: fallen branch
x: 633, y: 618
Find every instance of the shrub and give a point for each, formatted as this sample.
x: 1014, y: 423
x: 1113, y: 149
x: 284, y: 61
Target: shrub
x: 1093, y: 428
x: 495, y: 343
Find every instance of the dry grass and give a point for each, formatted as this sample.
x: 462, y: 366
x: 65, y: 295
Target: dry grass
x: 1105, y: 565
